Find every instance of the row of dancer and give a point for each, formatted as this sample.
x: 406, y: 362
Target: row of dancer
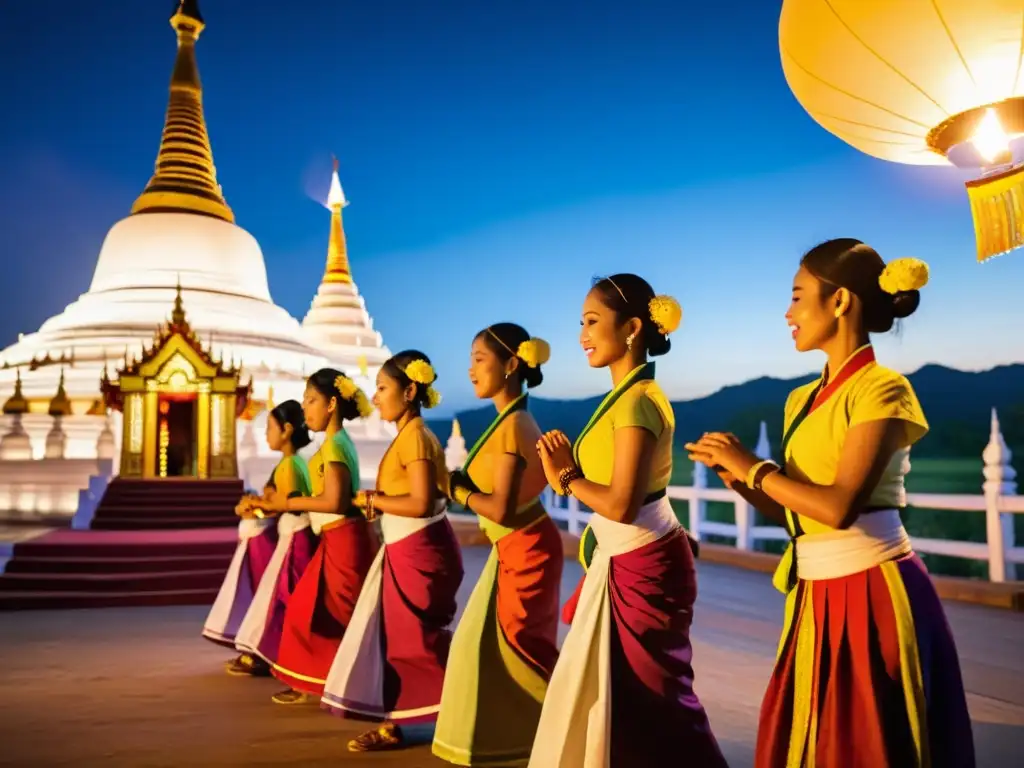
x: 867, y: 672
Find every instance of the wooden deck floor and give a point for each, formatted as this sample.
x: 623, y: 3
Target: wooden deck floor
x: 138, y: 687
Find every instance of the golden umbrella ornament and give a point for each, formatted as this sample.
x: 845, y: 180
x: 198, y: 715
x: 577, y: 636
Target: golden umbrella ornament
x: 922, y: 82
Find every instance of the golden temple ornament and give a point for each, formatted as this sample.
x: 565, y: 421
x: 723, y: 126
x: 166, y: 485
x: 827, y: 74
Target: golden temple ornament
x: 921, y: 83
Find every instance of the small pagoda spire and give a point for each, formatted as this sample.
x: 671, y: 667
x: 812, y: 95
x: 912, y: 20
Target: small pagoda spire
x: 270, y: 398
x: 178, y: 313
x: 16, y: 403
x: 60, y: 405
x: 185, y: 180
x: 337, y: 270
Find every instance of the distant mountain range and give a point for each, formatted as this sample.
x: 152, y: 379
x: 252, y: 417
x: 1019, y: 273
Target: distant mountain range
x: 958, y: 405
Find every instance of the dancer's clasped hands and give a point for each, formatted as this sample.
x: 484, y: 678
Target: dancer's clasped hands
x: 724, y: 453
x: 555, y: 455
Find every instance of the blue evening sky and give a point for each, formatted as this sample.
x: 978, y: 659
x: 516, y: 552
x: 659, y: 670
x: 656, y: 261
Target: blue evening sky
x: 497, y: 155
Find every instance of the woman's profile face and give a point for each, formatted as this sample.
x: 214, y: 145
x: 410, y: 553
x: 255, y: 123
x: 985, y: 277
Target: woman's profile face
x: 275, y: 435
x: 389, y: 397
x: 811, y: 316
x: 602, y: 338
x: 316, y: 408
x: 486, y: 370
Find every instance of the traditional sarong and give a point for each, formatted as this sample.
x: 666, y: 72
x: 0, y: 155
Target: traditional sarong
x: 257, y: 540
x: 391, y: 664
x: 504, y: 650
x: 320, y: 609
x: 622, y: 693
x: 260, y: 633
x: 867, y: 674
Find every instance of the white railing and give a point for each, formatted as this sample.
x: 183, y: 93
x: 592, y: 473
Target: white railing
x: 998, y: 501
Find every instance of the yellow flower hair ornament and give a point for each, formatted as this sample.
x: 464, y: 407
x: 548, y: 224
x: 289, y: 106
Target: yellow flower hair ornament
x: 534, y: 352
x: 433, y: 397
x: 902, y: 275
x: 421, y: 372
x: 349, y: 390
x: 665, y: 313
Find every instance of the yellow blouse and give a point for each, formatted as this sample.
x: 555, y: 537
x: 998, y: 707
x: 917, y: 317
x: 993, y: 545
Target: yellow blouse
x: 642, y: 405
x: 414, y: 442
x: 517, y: 435
x: 872, y: 393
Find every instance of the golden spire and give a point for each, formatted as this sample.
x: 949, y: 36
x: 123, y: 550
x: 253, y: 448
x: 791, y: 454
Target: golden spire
x: 60, y: 405
x: 185, y: 180
x: 337, y: 253
x: 178, y: 313
x: 16, y: 403
x: 456, y: 428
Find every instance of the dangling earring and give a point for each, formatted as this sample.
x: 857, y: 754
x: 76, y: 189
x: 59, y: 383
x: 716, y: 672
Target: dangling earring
x: 629, y: 340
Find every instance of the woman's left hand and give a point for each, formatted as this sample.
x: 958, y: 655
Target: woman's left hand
x: 273, y: 503
x: 723, y: 449
x: 555, y: 455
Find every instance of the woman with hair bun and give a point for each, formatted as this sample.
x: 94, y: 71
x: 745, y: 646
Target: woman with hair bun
x: 505, y: 646
x: 622, y: 695
x: 254, y: 569
x: 867, y: 672
x: 259, y: 636
x: 320, y: 608
x: 390, y: 666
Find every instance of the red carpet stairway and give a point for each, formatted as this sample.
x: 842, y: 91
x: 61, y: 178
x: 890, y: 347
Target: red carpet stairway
x: 165, y: 542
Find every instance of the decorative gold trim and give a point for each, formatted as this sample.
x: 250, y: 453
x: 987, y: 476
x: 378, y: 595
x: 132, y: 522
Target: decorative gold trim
x: 150, y: 434
x: 203, y: 435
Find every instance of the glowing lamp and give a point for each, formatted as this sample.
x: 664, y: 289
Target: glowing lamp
x: 923, y: 84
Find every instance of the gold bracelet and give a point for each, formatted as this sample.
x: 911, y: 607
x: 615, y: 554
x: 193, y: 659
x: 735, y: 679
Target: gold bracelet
x: 566, y: 478
x: 757, y: 473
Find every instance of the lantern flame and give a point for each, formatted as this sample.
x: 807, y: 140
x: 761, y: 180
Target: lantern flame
x: 989, y: 138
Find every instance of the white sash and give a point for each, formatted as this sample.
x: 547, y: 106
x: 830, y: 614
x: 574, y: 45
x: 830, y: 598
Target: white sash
x: 250, y: 633
x: 216, y: 626
x: 575, y: 722
x: 875, y: 538
x: 357, y: 674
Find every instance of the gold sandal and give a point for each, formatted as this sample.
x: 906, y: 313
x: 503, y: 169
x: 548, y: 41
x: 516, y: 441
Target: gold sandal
x: 291, y: 696
x: 387, y: 736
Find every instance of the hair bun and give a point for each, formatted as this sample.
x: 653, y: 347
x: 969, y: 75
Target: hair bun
x: 905, y: 303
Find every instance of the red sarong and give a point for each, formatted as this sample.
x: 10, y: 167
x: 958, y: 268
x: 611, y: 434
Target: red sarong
x: 321, y: 606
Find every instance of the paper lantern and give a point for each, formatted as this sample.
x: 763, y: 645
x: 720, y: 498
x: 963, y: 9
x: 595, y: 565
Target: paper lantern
x: 922, y: 82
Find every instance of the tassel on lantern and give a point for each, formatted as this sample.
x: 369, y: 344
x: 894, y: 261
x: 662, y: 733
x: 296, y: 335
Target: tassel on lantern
x: 997, y: 205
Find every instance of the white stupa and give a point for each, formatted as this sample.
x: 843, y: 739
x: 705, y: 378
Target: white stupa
x: 181, y: 230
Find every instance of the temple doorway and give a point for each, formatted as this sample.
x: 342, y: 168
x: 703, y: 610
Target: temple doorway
x: 176, y: 451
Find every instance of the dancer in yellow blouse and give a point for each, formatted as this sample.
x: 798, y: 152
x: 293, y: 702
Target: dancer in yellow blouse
x: 867, y: 674
x: 505, y: 646
x: 391, y: 664
x: 622, y: 692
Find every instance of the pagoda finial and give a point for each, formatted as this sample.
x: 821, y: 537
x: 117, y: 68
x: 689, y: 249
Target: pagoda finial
x: 60, y: 405
x: 337, y: 270
x: 185, y: 180
x: 178, y: 313
x: 16, y: 403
